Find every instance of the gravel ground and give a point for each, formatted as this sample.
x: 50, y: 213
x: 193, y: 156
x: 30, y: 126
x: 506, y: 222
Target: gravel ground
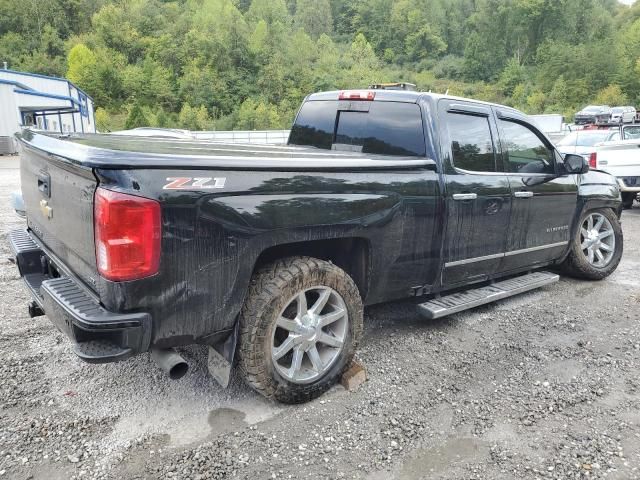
x: 544, y: 385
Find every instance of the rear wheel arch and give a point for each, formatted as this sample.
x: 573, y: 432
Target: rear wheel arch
x: 351, y: 254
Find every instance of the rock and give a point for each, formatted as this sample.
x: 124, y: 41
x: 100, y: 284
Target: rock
x: 73, y: 458
x: 355, y: 376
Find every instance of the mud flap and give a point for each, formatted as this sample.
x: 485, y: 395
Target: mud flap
x: 221, y: 358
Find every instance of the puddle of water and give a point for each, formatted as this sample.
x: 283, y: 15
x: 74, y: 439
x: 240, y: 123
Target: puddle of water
x: 226, y: 420
x: 427, y: 461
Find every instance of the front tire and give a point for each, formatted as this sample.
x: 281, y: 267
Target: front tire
x: 299, y: 328
x: 597, y: 247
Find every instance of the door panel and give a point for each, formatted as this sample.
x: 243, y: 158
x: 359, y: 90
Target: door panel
x: 540, y: 224
x: 478, y: 196
x: 543, y: 204
x: 475, y: 235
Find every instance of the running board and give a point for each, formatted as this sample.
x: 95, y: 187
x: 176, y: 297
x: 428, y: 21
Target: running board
x: 457, y: 302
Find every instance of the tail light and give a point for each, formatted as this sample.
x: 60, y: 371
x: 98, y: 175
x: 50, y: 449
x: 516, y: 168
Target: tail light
x: 593, y: 160
x: 127, y: 235
x: 356, y: 95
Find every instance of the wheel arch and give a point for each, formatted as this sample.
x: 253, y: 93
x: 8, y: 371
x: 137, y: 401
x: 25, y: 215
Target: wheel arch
x: 351, y: 254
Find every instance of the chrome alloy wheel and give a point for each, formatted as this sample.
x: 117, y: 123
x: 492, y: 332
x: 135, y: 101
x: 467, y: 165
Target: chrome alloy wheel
x: 306, y: 341
x: 597, y: 240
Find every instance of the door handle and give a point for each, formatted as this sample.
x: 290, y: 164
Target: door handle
x: 524, y: 194
x: 465, y: 196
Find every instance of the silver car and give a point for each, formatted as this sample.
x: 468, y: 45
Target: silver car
x: 623, y: 114
x: 583, y: 142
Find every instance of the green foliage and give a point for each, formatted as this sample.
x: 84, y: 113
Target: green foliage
x: 193, y: 118
x: 248, y: 63
x: 258, y: 115
x: 611, y: 95
x: 512, y: 76
x: 314, y: 17
x: 136, y: 117
x: 102, y: 120
x: 81, y: 64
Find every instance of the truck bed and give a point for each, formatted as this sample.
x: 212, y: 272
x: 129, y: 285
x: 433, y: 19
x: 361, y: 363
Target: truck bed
x: 126, y: 152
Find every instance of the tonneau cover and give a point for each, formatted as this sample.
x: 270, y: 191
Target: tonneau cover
x: 127, y: 152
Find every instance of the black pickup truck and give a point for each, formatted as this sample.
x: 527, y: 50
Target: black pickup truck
x: 267, y: 253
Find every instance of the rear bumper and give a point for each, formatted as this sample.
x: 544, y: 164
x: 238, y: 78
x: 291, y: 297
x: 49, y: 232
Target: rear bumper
x: 98, y: 335
x: 584, y: 120
x: 629, y: 184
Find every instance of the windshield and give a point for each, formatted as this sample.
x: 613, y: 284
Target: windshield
x: 591, y: 109
x: 631, y: 133
x: 617, y: 110
x: 584, y: 139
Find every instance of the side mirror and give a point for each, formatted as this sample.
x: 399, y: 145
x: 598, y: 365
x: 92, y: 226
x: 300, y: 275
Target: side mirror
x: 575, y: 163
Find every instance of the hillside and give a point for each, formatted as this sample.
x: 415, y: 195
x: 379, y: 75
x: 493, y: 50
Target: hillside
x: 204, y: 64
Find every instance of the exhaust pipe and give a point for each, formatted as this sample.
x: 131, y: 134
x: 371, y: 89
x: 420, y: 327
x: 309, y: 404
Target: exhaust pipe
x: 170, y: 362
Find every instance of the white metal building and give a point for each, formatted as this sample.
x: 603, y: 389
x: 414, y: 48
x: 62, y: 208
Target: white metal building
x: 47, y: 103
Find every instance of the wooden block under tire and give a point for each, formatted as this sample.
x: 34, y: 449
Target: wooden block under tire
x: 355, y: 376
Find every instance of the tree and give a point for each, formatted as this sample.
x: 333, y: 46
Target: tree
x: 424, y: 43
x: 102, y: 120
x: 195, y: 118
x: 214, y: 60
x: 512, y: 75
x: 362, y: 62
x: 136, y: 118
x: 314, y: 17
x: 81, y: 65
x: 611, y: 95
x: 257, y: 115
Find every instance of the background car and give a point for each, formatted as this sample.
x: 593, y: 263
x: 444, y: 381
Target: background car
x: 599, y: 114
x: 623, y: 114
x: 582, y: 142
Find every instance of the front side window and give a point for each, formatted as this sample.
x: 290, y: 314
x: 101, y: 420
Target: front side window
x: 471, y: 142
x: 526, y: 152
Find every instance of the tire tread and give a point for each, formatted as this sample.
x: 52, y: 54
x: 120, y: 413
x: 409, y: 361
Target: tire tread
x: 268, y: 284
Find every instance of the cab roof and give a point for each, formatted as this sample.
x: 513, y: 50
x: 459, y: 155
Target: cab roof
x: 407, y: 96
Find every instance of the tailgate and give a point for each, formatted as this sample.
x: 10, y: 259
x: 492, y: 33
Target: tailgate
x: 58, y: 198
x: 621, y: 159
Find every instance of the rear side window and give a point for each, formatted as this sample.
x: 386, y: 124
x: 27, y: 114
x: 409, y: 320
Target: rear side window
x: 385, y: 128
x: 471, y: 142
x: 314, y: 125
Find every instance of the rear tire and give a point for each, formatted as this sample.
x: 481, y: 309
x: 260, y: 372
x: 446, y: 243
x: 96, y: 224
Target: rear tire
x: 627, y: 199
x: 299, y: 328
x: 597, y: 247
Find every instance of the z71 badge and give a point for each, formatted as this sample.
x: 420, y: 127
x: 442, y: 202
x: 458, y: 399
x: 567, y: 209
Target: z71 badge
x: 197, y: 183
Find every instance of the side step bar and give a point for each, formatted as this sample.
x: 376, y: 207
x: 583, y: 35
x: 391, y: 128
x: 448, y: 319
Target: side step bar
x: 457, y: 302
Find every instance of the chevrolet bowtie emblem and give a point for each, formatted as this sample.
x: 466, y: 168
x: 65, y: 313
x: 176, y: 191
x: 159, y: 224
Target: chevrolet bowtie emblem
x: 46, y: 210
